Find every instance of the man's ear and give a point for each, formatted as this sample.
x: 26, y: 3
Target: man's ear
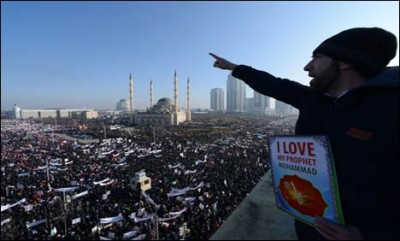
x: 344, y: 66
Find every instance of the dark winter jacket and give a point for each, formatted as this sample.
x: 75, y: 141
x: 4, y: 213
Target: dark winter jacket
x: 363, y: 129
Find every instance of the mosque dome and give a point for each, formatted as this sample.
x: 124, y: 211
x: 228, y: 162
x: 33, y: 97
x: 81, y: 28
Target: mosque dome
x: 164, y: 102
x: 123, y: 105
x: 163, y: 105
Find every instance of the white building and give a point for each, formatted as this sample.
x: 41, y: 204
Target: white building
x: 250, y: 105
x: 16, y: 112
x: 70, y: 113
x: 236, y: 95
x: 56, y: 113
x: 217, y: 99
x: 90, y: 115
x: 39, y: 113
x: 261, y: 103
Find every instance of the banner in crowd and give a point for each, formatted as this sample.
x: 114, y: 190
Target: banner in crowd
x: 130, y: 234
x: 105, y: 180
x: 80, y: 194
x: 106, y: 183
x: 30, y: 225
x: 141, y: 219
x: 177, y: 213
x: 176, y: 192
x: 169, y: 218
x: 190, y: 172
x: 28, y: 207
x: 111, y: 219
x: 76, y: 220
x: 66, y: 189
x: 7, y: 206
x: 175, y: 166
x: 5, y: 221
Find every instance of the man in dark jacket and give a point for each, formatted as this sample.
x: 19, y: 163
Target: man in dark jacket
x: 353, y: 99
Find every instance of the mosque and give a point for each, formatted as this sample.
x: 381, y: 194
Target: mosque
x: 164, y: 112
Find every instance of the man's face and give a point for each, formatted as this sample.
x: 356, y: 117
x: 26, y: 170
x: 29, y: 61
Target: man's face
x: 324, y: 71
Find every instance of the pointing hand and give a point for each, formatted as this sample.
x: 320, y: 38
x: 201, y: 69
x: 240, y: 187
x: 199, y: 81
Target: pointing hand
x: 223, y: 63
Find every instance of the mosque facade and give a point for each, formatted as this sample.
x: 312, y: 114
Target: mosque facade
x: 164, y: 112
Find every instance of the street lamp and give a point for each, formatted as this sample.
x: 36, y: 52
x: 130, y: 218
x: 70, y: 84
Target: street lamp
x: 154, y: 135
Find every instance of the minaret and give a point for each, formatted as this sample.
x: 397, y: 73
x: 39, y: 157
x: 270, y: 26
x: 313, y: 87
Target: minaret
x: 176, y: 92
x: 188, y: 114
x: 131, y: 93
x: 151, y: 94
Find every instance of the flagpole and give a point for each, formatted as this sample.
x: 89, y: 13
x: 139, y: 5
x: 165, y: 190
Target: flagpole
x: 48, y: 175
x: 65, y: 216
x: 154, y: 135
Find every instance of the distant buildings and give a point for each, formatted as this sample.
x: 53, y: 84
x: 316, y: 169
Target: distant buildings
x: 164, y: 112
x: 217, y: 100
x: 249, y: 105
x: 261, y: 103
x: 19, y: 113
x: 283, y: 109
x: 91, y: 114
x: 237, y: 102
x: 236, y: 95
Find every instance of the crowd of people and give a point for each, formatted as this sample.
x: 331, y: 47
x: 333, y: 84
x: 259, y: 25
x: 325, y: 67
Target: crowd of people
x: 53, y: 188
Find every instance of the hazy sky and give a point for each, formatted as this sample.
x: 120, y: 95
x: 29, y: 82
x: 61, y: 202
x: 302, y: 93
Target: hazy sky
x: 80, y: 54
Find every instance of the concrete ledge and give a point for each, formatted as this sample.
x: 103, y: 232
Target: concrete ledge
x: 258, y: 218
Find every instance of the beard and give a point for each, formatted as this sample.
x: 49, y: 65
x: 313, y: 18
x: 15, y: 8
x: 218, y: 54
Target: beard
x: 325, y: 79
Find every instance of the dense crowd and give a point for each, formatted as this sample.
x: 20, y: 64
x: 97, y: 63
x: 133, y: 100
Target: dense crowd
x: 53, y: 188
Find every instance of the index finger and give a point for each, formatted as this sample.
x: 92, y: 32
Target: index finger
x: 215, y: 56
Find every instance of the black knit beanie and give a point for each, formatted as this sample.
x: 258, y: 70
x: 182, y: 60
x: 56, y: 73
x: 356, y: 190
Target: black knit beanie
x: 369, y: 50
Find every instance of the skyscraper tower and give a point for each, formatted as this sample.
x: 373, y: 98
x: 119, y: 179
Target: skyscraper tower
x: 217, y: 99
x: 176, y: 92
x: 131, y: 92
x: 261, y: 103
x: 236, y: 95
x: 151, y: 93
x: 188, y: 114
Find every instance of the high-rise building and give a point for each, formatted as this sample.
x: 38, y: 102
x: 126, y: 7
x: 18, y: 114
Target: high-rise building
x: 16, y: 112
x: 249, y: 105
x: 188, y: 112
x: 283, y: 109
x: 261, y: 102
x: 217, y: 99
x: 236, y: 95
x: 131, y: 105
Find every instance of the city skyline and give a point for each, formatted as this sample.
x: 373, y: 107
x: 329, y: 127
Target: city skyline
x: 80, y: 54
